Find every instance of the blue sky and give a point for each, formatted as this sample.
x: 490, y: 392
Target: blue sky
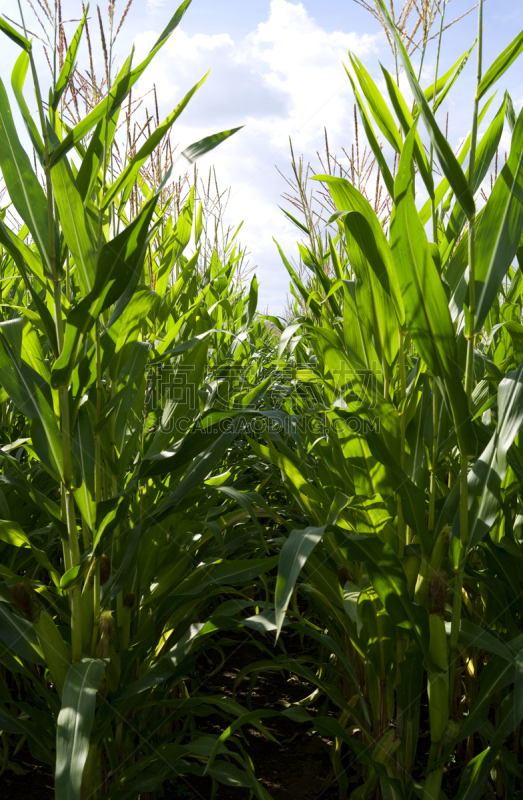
x: 277, y: 68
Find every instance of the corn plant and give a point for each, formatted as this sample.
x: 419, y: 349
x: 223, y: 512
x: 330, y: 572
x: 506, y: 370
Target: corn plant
x: 401, y: 451
x: 317, y: 206
x: 117, y: 561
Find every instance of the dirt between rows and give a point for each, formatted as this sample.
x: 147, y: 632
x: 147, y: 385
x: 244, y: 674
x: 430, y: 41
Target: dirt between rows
x: 298, y: 767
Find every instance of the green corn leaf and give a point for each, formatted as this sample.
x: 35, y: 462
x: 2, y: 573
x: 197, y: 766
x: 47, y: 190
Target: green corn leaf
x: 83, y: 452
x: 74, y: 576
x: 385, y: 572
x: 406, y: 121
x: 424, y: 297
x: 442, y: 80
x: 120, y: 577
x: 188, y: 374
x: 135, y: 276
x: 254, y: 396
x: 244, y: 501
x: 32, y: 260
x: 230, y: 775
x: 499, y: 232
x: 182, y: 230
x: 19, y: 636
x: 32, y: 348
x: 473, y: 636
x: 446, y: 82
x: 448, y: 162
x: 377, y: 105
x: 287, y: 335
x: 222, y: 574
x: 125, y: 332
x: 107, y: 107
x: 6, y: 240
x: 22, y: 184
x: 296, y: 222
x: 180, y: 455
x: 32, y: 395
x: 453, y: 80
x: 74, y: 725
x: 368, y: 236
x: 233, y: 238
x: 485, y: 152
x: 103, y: 136
x: 511, y: 114
x: 69, y: 63
x: 122, y: 403
x: 17, y: 82
x: 90, y: 166
x: 498, y: 674
x: 475, y: 775
x: 374, y: 303
x: 501, y: 64
x: 388, y: 578
x: 371, y: 138
x: 119, y: 264
x: 456, y: 275
x: 13, y: 34
x: 167, y: 664
x: 172, y: 25
x: 251, y: 305
x: 75, y: 224
x: 307, y: 296
x: 195, y: 151
x: 378, y: 633
x: 199, y: 470
x: 489, y: 470
x: 12, y: 533
x: 294, y: 554
x: 412, y: 496
x: 444, y: 186
x: 311, y: 497
x: 249, y: 716
x: 125, y: 180
x: 166, y: 270
x: 198, y: 227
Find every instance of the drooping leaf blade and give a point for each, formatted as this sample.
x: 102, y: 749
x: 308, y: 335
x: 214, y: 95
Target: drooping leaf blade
x: 17, y: 82
x: 74, y: 725
x: 13, y: 34
x: 22, y: 184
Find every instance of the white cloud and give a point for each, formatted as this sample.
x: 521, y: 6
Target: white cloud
x: 153, y: 6
x: 283, y: 79
x: 301, y: 59
x: 181, y: 46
